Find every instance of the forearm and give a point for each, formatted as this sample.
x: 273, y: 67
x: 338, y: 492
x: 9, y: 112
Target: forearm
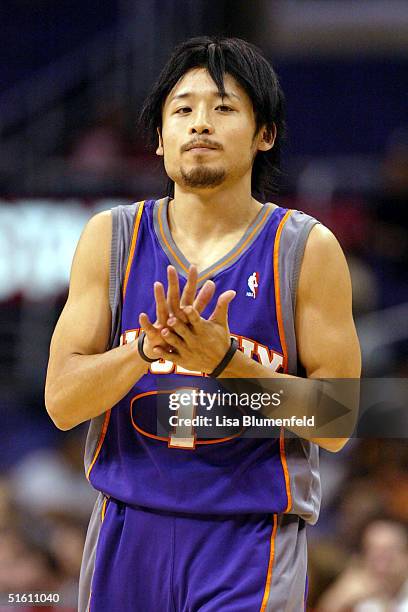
x: 89, y: 385
x: 242, y: 366
x: 303, y: 397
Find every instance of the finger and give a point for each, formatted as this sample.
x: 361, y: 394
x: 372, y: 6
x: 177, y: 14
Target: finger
x: 220, y: 313
x: 173, y: 294
x: 173, y: 339
x: 189, y: 291
x: 173, y: 290
x: 180, y: 328
x: 167, y: 355
x: 162, y: 312
x: 204, y: 296
x: 193, y: 318
x: 146, y: 324
x: 152, y: 331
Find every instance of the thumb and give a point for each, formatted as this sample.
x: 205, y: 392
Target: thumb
x: 220, y: 312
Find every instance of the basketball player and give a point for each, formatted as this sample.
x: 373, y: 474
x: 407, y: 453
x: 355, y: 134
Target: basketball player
x: 212, y: 525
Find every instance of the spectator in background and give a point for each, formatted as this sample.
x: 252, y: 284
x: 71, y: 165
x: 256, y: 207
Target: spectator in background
x: 25, y: 566
x: 51, y: 482
x: 38, y: 553
x: 98, y: 158
x: 376, y: 580
x: 106, y: 157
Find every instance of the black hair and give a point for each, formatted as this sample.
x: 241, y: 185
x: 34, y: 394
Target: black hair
x: 246, y: 64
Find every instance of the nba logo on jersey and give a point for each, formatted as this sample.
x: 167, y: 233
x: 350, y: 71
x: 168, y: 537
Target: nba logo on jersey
x: 253, y: 283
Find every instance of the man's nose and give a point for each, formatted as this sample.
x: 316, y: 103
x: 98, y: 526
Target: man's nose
x: 201, y: 124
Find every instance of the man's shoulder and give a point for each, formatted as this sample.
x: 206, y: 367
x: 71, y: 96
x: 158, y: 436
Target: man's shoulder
x: 322, y: 243
x: 324, y: 263
x: 98, y: 225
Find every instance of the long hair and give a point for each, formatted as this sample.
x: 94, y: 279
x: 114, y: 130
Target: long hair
x: 246, y: 64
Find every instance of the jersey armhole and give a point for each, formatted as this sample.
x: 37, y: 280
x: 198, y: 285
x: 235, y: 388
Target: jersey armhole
x: 123, y: 223
x: 299, y: 251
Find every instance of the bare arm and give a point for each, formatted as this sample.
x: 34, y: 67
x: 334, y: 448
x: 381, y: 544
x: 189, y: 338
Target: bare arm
x: 327, y: 339
x: 83, y: 378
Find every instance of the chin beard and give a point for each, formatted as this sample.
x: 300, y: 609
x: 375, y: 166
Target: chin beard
x: 202, y: 177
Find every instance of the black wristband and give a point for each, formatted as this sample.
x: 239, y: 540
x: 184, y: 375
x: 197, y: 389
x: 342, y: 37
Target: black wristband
x: 226, y: 359
x: 140, y: 349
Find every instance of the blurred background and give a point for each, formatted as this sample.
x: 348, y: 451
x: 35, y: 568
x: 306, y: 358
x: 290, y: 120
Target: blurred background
x: 73, y: 76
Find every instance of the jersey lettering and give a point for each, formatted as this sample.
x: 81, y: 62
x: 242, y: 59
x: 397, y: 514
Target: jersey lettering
x: 269, y: 358
x: 183, y: 436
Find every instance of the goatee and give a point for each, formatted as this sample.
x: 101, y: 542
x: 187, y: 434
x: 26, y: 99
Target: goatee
x: 202, y: 177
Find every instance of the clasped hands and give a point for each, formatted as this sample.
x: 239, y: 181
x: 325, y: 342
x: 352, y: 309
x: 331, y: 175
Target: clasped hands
x: 180, y: 334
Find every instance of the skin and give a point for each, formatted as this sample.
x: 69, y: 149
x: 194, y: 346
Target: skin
x: 208, y: 221
x: 210, y: 212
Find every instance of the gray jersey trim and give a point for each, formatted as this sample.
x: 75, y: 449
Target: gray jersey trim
x: 89, y: 555
x: 123, y: 220
x: 305, y: 485
x: 222, y: 264
x: 289, y: 568
x: 293, y: 239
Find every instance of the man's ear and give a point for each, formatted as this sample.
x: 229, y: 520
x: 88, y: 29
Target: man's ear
x: 160, y: 150
x: 266, y: 138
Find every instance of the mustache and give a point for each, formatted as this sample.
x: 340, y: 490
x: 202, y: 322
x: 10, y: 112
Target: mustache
x: 200, y: 142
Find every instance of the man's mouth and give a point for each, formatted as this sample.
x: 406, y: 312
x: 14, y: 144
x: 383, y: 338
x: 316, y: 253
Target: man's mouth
x: 199, y: 146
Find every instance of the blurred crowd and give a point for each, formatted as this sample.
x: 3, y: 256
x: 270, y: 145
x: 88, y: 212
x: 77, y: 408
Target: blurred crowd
x: 107, y: 155
x: 45, y: 504
x: 358, y: 551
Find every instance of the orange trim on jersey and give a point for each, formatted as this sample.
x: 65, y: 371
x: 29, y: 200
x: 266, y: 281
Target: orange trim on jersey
x: 285, y: 469
x: 167, y: 439
x: 145, y: 433
x: 128, y: 266
x: 133, y: 246
x: 233, y: 255
x: 270, y: 564
x: 103, y: 511
x: 284, y: 348
x: 236, y: 252
x: 100, y: 442
x: 277, y: 289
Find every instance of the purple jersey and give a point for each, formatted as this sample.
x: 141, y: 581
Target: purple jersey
x: 125, y: 457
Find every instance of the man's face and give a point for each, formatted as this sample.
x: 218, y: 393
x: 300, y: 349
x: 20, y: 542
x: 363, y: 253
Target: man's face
x: 385, y: 551
x: 208, y: 141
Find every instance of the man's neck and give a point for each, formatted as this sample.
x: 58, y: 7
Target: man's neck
x: 209, y: 214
